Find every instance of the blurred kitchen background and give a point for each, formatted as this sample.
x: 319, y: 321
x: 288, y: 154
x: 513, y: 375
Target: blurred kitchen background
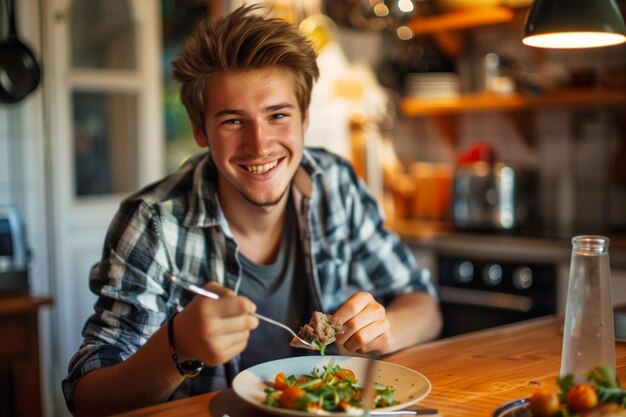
x: 487, y: 155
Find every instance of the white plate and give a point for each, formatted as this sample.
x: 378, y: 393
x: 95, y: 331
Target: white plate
x: 410, y: 386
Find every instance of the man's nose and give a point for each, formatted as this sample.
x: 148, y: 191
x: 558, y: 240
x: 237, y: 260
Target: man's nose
x: 257, y: 138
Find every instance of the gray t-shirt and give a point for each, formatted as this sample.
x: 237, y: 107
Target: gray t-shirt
x: 280, y: 292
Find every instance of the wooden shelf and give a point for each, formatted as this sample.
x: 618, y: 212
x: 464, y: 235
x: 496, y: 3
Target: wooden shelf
x: 450, y: 31
x: 494, y: 102
x: 461, y: 20
x: 447, y: 29
x: 518, y: 107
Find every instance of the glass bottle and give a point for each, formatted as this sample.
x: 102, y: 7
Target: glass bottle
x: 588, y: 333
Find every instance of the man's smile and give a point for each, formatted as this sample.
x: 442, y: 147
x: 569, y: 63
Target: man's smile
x: 261, y: 169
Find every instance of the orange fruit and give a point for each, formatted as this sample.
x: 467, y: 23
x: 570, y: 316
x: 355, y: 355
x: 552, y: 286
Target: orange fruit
x: 582, y: 398
x: 544, y: 403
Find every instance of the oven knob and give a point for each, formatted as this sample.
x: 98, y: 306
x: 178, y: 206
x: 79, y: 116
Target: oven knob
x: 464, y: 272
x: 523, y: 278
x: 492, y: 275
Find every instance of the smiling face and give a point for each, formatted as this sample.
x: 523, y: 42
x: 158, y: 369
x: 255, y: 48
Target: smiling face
x: 255, y: 131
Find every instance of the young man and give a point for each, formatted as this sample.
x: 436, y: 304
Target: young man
x: 259, y: 219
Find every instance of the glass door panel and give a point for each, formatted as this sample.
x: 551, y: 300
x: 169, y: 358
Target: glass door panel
x: 106, y: 85
x: 105, y: 143
x: 103, y: 34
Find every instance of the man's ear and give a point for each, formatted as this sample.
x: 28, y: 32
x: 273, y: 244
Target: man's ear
x: 200, y: 137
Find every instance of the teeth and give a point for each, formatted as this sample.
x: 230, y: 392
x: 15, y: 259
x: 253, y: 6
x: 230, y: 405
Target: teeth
x: 262, y: 169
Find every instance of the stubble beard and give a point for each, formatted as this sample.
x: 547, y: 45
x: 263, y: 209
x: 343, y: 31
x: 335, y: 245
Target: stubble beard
x: 267, y: 203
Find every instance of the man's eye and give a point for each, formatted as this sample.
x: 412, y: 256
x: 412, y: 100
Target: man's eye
x: 232, y: 122
x: 279, y: 116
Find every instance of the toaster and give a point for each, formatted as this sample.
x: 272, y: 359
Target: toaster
x: 493, y: 196
x: 14, y: 252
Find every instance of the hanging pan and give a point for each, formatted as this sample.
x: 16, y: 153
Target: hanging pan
x: 19, y: 71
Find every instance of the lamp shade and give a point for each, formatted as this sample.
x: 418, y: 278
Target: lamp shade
x: 571, y: 24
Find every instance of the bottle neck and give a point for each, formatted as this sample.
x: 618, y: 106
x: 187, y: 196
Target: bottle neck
x: 591, y: 245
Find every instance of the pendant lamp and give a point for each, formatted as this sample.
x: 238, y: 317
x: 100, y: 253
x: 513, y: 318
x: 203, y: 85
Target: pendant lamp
x: 572, y: 24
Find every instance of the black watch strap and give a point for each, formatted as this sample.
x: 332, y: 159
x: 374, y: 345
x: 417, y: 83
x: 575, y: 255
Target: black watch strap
x: 188, y: 369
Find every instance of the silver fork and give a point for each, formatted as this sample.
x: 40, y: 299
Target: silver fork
x: 205, y: 293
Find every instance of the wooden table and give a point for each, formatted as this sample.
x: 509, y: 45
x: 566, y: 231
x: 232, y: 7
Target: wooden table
x: 471, y: 375
x: 20, y: 391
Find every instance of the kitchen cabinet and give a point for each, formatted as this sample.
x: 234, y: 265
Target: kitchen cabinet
x: 19, y: 355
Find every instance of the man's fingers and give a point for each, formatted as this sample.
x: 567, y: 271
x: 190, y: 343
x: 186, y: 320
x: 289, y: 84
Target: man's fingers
x: 373, y: 336
x: 361, y: 310
x: 229, y: 303
x: 224, y: 348
x: 215, y: 331
x: 219, y: 289
x: 229, y: 325
x: 353, y: 306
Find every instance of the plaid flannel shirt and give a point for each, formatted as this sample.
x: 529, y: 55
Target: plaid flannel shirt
x: 176, y: 225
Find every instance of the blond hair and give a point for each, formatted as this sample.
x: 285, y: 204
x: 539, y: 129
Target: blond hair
x: 243, y: 40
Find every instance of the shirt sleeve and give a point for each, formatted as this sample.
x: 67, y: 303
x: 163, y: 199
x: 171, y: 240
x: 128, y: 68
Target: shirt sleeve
x: 354, y: 251
x: 381, y: 260
x: 132, y: 299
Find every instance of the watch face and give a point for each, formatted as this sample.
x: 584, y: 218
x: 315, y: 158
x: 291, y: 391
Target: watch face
x: 190, y: 368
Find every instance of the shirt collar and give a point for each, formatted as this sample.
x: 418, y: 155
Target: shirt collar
x: 203, y: 205
x: 303, y: 180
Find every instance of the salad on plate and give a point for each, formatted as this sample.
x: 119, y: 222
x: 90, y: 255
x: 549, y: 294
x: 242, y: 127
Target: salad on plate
x: 330, y: 388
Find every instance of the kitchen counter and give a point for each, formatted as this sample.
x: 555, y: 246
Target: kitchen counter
x: 471, y: 375
x: 441, y: 237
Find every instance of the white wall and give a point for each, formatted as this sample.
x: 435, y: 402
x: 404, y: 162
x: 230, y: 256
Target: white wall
x: 23, y: 151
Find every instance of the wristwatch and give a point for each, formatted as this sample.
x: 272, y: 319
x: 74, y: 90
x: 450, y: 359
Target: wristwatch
x: 188, y: 369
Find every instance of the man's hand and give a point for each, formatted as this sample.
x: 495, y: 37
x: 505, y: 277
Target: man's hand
x: 214, y: 331
x: 365, y: 322
x: 408, y: 319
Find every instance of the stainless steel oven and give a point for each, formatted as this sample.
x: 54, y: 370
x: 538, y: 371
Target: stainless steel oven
x: 478, y: 293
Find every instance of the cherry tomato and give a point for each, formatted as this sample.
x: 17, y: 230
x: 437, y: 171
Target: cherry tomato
x: 582, y: 398
x: 544, y: 403
x: 289, y: 397
x: 349, y: 374
x: 280, y: 381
